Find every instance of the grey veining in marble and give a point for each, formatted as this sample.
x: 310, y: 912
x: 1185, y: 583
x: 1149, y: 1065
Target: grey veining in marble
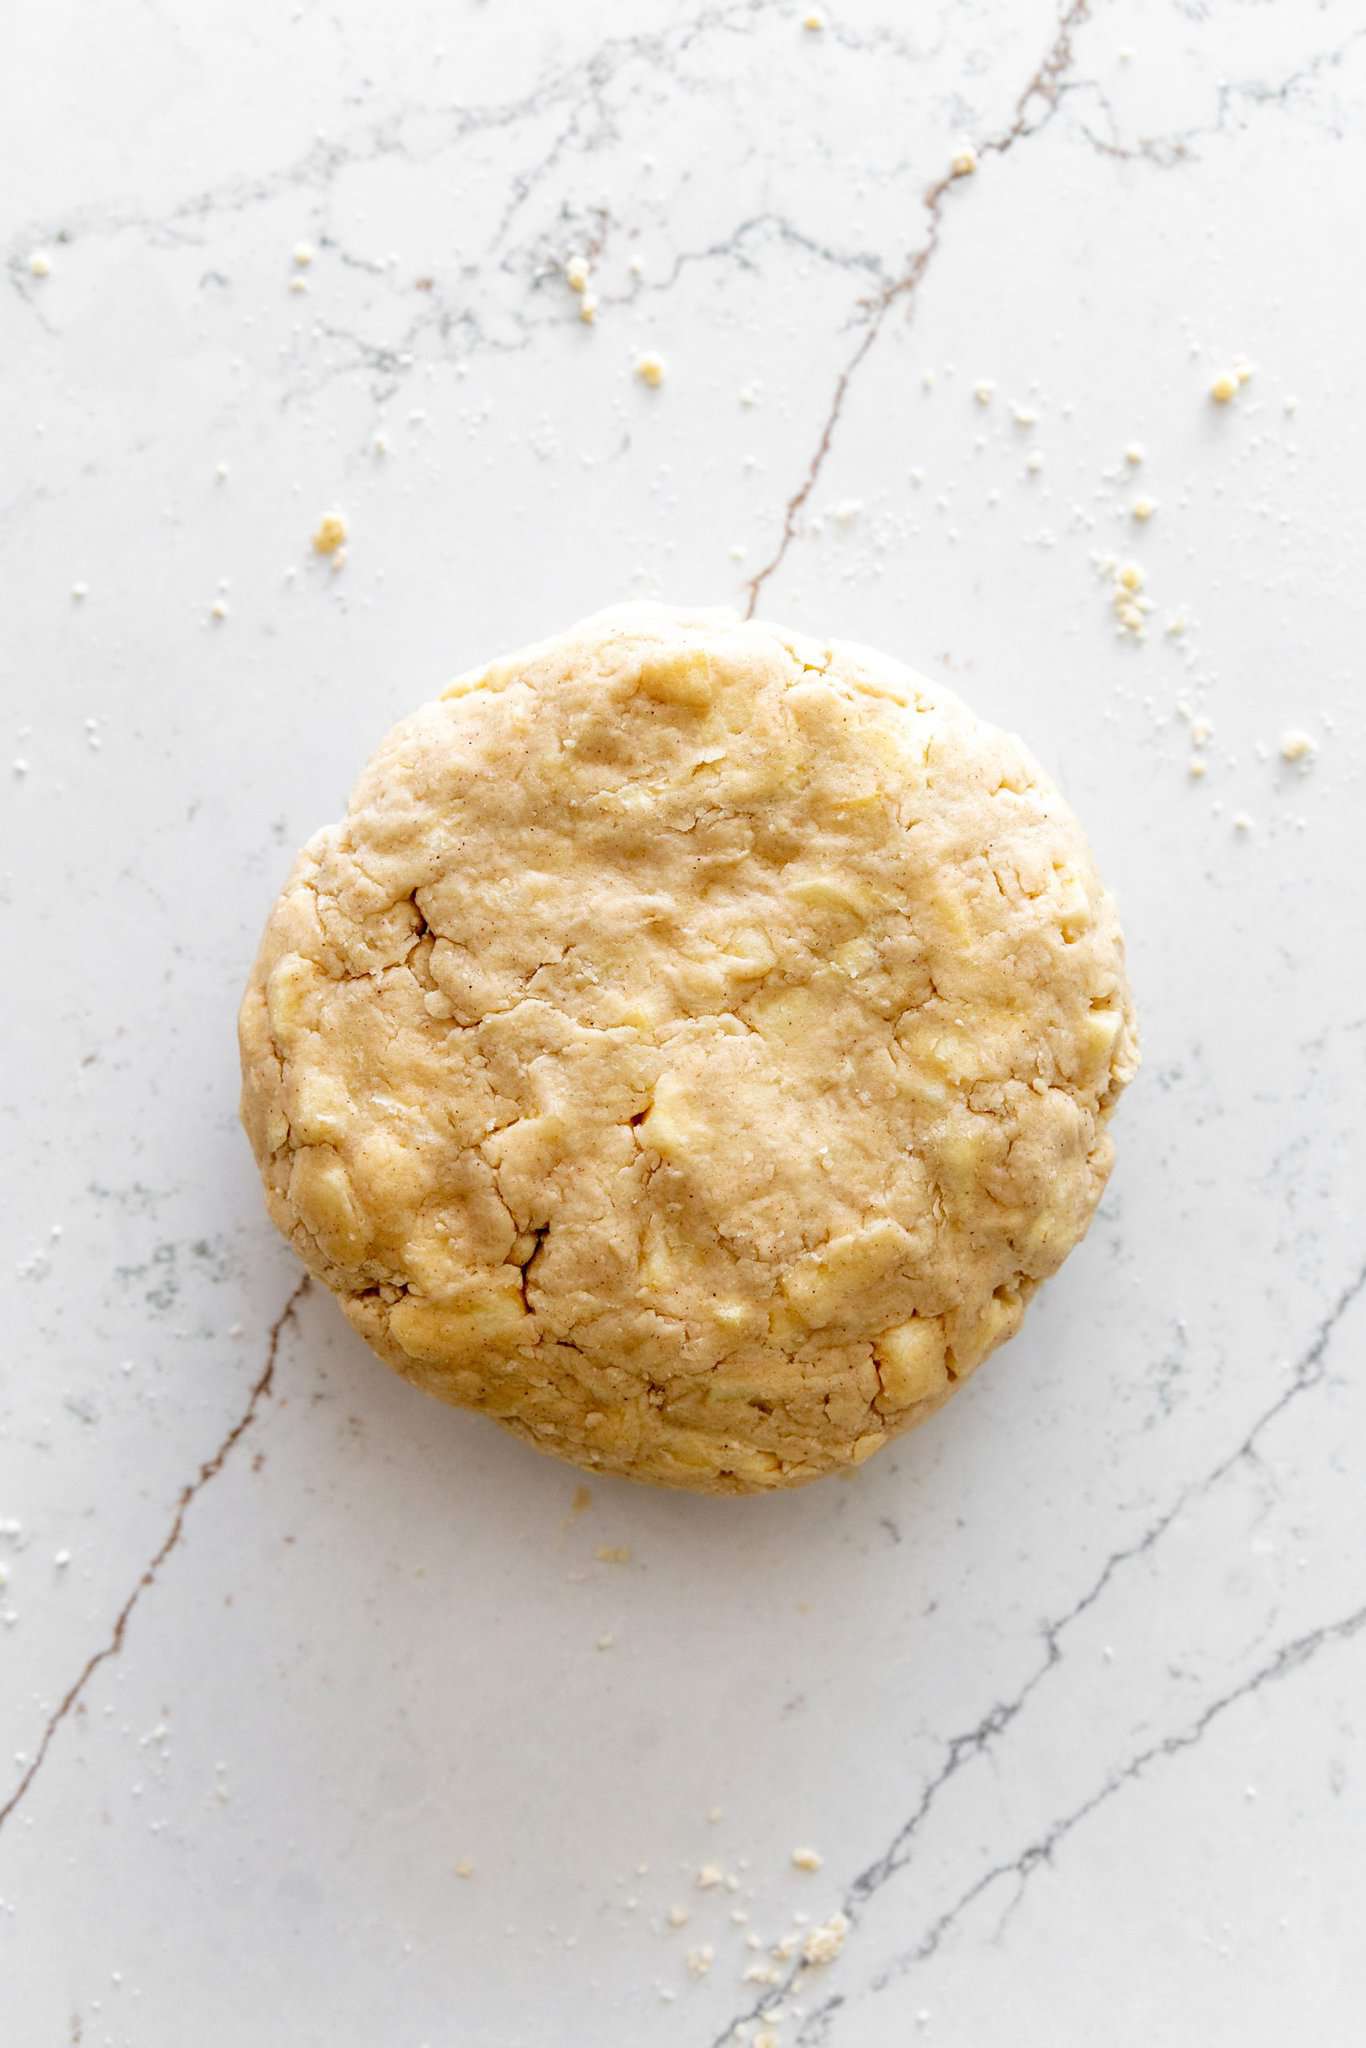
x: 308, y: 1733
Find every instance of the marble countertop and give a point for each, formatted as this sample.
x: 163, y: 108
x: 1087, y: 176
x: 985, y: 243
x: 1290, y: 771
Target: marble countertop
x: 308, y: 1733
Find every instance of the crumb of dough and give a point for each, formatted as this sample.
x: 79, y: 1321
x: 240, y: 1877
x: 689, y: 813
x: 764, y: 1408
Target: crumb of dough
x: 1202, y: 731
x: 709, y: 1876
x: 814, y: 19
x: 1241, y: 821
x: 304, y: 252
x: 1135, y: 453
x: 700, y: 1959
x: 984, y: 391
x: 963, y: 162
x: 40, y: 264
x: 765, y: 2038
x: 588, y: 309
x: 1130, y: 576
x: 1224, y: 387
x: 80, y: 592
x: 692, y: 1049
x: 678, y: 1916
x: 612, y: 1553
x: 298, y: 285
x: 576, y: 273
x: 607, y: 1641
x: 1143, y: 509
x: 807, y: 1859
x: 330, y: 535
x: 219, y: 609
x: 1033, y: 462
x: 650, y: 369
x: 824, y: 1943
x: 464, y: 1868
x: 1196, y: 768
x: 1024, y: 416
x: 582, y: 1499
x: 1296, y: 745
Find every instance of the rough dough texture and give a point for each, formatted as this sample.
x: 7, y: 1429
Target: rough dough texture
x: 692, y: 1048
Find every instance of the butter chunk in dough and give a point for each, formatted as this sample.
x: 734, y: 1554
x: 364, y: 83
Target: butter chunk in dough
x: 692, y: 1048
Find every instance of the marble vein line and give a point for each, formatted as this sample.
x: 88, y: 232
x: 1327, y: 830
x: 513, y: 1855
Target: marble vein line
x: 1290, y: 1657
x: 1309, y: 1371
x: 189, y: 1493
x: 402, y: 132
x: 1035, y: 106
x: 1166, y: 152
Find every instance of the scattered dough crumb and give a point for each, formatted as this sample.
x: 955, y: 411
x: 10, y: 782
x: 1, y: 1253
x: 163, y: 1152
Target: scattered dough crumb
x: 700, y: 1959
x: 1134, y: 454
x: 40, y: 264
x: 607, y: 1641
x: 824, y: 1943
x: 588, y: 309
x: 984, y: 391
x: 814, y: 19
x: 1131, y: 576
x: 219, y: 609
x: 1196, y: 768
x: 80, y: 592
x: 766, y: 2038
x: 1024, y: 416
x: 1241, y: 822
x: 716, y: 1813
x: 304, y: 252
x: 583, y: 1498
x: 650, y: 369
x: 298, y: 285
x: 709, y: 1876
x: 613, y: 1553
x: 331, y: 534
x: 1224, y: 387
x: 807, y: 1859
x: 1296, y: 745
x: 964, y: 161
x: 464, y: 1868
x: 1033, y: 462
x: 576, y: 273
x: 1143, y: 509
x: 1202, y: 731
x: 678, y: 1916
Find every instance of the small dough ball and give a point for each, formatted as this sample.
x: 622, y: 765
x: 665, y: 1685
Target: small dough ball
x: 692, y: 1048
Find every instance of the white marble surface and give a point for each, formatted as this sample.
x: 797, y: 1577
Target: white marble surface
x: 1067, y: 1690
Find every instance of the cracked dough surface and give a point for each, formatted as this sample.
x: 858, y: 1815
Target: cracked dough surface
x: 692, y: 1047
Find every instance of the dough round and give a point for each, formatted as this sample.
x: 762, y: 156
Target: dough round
x: 692, y: 1048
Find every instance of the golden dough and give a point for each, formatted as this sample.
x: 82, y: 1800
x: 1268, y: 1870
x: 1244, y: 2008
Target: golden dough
x: 691, y: 1049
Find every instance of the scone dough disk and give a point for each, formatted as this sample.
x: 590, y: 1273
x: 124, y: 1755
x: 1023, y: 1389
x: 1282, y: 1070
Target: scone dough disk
x: 692, y: 1047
